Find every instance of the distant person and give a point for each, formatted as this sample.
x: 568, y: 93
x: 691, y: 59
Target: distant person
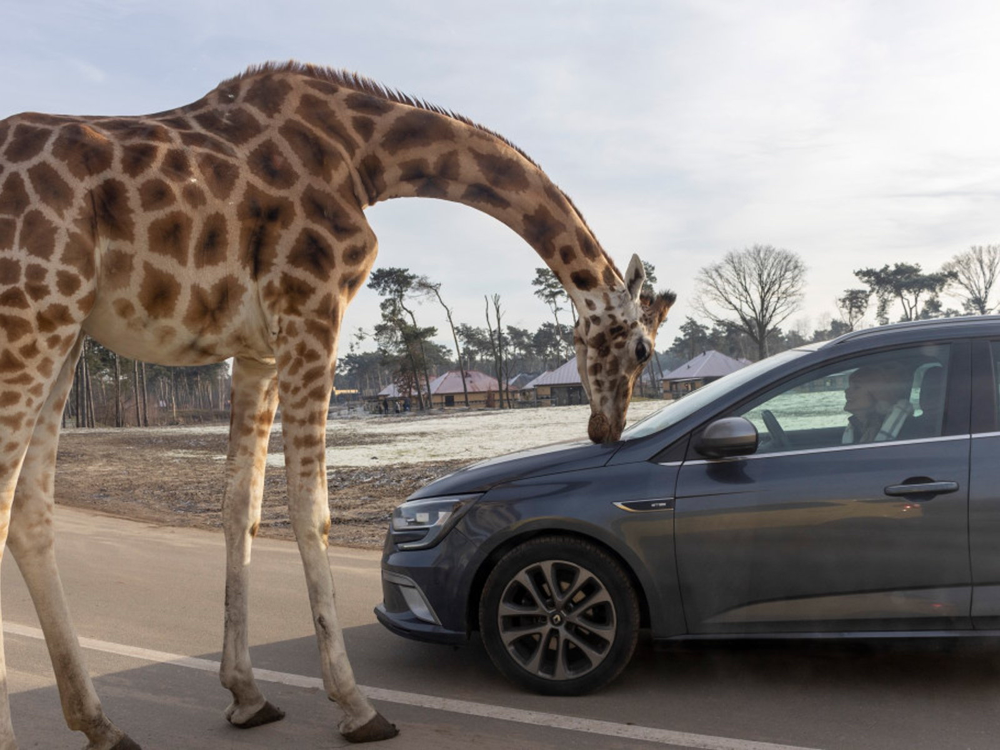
x: 878, y: 400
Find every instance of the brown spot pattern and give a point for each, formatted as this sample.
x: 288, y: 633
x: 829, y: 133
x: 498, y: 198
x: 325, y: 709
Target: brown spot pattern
x: 112, y: 211
x: 320, y: 115
x: 485, y: 195
x: 232, y: 124
x: 26, y: 142
x: 83, y: 150
x: 325, y: 210
x: 213, y: 241
x: 158, y: 292
x: 138, y: 157
x: 372, y: 174
x: 171, y: 236
x: 416, y: 129
x: 54, y: 317
x: 210, y: 309
x: 8, y: 230
x: 79, y: 254
x: 10, y: 271
x: 13, y: 195
x: 363, y: 126
x: 312, y: 151
x: 67, y: 283
x: 312, y: 253
x: 50, y: 187
x: 262, y: 217
x: 426, y: 183
x: 541, y: 229
x: 176, y: 166
x: 269, y: 164
x: 38, y: 235
x: 116, y: 269
x: 220, y: 175
x: 502, y: 172
x: 367, y: 104
x: 268, y: 94
x: 156, y: 194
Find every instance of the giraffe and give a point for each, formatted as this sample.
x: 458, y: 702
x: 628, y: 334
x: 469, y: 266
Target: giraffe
x: 234, y: 227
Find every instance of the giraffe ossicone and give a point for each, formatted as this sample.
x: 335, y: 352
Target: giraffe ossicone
x: 235, y: 227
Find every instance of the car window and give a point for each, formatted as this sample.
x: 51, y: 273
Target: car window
x: 675, y: 411
x: 895, y: 395
x: 996, y: 377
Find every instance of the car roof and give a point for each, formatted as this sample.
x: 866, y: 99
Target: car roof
x: 971, y: 325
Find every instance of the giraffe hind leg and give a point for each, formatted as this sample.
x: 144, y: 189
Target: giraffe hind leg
x: 254, y: 400
x: 305, y: 397
x: 31, y: 540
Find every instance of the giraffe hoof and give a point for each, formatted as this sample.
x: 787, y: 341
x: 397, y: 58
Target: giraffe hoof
x: 267, y: 713
x: 126, y: 743
x: 376, y: 729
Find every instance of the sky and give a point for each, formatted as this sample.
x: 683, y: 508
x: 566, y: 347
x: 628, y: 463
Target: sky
x: 852, y: 133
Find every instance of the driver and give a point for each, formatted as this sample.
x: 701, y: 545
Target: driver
x: 878, y: 400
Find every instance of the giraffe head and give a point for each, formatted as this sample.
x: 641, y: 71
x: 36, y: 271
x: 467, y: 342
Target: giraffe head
x: 613, y: 346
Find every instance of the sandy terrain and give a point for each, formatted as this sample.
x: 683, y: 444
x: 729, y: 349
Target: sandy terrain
x: 176, y: 475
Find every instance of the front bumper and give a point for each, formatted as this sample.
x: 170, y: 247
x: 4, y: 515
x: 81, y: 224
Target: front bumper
x: 425, y: 592
x: 408, y: 626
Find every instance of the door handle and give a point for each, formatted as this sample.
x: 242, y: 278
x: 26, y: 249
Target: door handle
x: 921, y: 488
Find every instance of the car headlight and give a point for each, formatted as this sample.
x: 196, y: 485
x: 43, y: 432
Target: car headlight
x: 418, y: 524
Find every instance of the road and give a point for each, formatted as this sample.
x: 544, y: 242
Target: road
x: 148, y: 601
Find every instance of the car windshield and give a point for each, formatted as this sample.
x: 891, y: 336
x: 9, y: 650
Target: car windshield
x: 677, y: 410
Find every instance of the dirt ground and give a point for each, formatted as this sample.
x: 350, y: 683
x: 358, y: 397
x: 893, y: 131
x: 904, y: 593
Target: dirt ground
x: 175, y: 477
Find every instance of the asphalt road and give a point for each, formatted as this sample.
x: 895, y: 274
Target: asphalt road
x: 149, y: 602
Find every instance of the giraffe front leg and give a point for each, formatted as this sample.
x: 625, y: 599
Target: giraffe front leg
x: 32, y: 542
x: 305, y: 381
x: 254, y: 400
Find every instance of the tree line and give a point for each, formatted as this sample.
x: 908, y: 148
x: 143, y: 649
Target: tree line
x: 112, y: 391
x: 407, y: 356
x: 750, y: 293
x: 742, y: 303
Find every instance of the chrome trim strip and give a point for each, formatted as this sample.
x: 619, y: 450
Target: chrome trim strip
x: 834, y: 448
x: 986, y: 435
x: 667, y: 504
x: 671, y: 463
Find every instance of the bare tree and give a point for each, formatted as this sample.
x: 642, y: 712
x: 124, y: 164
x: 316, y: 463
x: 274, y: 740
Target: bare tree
x: 497, y: 343
x: 426, y: 286
x: 853, y: 306
x: 974, y: 272
x: 760, y: 286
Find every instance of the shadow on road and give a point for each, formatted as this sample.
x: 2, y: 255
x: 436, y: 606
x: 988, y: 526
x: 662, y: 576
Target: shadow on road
x: 836, y: 694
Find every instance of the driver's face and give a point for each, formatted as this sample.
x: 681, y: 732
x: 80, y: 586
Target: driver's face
x: 859, y: 396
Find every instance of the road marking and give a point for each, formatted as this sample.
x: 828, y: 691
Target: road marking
x: 468, y: 708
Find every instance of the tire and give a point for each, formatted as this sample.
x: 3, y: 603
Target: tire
x: 570, y: 644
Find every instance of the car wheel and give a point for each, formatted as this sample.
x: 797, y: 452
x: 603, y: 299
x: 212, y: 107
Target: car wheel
x: 559, y: 616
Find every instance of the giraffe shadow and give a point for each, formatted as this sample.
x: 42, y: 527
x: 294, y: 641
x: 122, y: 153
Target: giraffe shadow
x: 717, y: 688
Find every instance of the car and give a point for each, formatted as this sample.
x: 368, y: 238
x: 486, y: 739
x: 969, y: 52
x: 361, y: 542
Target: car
x: 752, y: 507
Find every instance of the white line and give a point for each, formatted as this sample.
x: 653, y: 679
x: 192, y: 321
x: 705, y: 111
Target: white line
x: 484, y: 710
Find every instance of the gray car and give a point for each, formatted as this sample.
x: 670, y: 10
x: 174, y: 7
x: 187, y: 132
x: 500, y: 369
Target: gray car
x: 755, y: 506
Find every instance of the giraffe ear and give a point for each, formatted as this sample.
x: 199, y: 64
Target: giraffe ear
x: 635, y: 276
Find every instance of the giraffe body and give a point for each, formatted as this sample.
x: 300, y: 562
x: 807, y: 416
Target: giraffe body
x: 235, y: 227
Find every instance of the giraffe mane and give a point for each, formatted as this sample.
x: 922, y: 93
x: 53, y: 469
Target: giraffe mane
x: 363, y: 84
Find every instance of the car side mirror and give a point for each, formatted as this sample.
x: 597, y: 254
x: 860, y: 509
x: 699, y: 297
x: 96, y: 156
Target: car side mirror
x: 727, y: 437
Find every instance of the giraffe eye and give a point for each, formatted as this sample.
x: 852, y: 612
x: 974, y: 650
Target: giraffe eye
x: 641, y: 352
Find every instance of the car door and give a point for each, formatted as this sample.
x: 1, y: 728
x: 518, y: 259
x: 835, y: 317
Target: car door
x: 984, y: 500
x: 825, y: 529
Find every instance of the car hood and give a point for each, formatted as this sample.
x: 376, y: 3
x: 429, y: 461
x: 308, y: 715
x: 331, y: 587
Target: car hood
x: 547, y: 459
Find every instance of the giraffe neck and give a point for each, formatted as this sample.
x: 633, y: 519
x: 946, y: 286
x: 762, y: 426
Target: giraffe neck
x: 401, y: 149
